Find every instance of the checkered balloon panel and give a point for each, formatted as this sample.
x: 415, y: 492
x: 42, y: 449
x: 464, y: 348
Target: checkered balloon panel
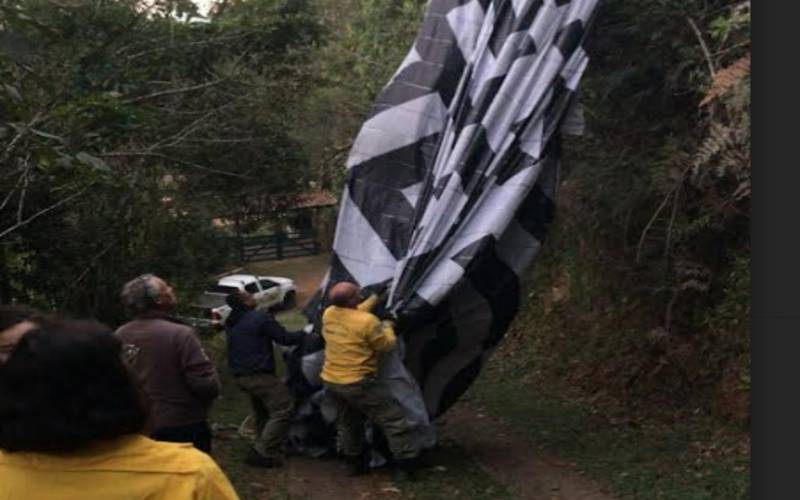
x: 452, y: 179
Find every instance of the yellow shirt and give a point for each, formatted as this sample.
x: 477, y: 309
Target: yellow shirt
x: 128, y: 468
x: 353, y: 339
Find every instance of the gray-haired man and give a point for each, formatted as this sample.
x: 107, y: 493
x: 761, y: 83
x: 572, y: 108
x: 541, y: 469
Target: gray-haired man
x: 175, y: 374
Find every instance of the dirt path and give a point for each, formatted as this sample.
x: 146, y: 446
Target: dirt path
x: 301, y: 478
x: 314, y: 479
x: 514, y: 462
x: 510, y: 461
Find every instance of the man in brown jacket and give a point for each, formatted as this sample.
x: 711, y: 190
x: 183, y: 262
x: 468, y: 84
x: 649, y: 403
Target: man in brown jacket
x: 177, y: 377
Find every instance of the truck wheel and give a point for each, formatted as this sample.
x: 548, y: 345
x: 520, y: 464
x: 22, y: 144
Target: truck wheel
x: 288, y: 300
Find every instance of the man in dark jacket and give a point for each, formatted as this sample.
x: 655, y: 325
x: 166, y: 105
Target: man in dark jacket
x: 251, y: 361
x: 177, y: 377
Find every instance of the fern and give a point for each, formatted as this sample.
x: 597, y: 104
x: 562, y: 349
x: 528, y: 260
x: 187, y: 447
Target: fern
x: 719, y: 137
x: 727, y: 78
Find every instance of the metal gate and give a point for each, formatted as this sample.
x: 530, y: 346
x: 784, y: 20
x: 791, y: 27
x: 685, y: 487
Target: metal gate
x: 277, y: 246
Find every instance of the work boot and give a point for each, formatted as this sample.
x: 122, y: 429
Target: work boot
x: 356, y: 466
x: 405, y: 470
x: 256, y: 459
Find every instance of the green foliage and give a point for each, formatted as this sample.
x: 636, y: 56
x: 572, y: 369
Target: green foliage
x: 364, y: 43
x: 643, y: 288
x: 124, y: 131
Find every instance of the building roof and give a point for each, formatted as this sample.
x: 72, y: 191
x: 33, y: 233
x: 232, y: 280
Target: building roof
x: 309, y: 199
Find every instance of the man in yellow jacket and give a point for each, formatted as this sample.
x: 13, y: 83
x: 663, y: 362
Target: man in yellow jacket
x: 354, y: 341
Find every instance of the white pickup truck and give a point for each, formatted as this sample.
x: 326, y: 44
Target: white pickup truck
x: 210, y: 309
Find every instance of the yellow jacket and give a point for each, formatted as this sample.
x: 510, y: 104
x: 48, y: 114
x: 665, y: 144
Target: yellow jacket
x: 130, y: 467
x: 353, y: 339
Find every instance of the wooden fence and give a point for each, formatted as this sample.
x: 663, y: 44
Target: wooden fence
x: 276, y: 246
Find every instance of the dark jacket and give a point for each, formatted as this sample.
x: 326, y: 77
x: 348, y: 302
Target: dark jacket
x: 177, y: 377
x: 250, y: 342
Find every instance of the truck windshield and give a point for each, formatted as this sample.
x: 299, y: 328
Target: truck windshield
x: 223, y: 289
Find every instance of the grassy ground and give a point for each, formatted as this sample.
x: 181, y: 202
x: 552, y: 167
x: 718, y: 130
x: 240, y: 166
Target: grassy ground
x: 696, y: 459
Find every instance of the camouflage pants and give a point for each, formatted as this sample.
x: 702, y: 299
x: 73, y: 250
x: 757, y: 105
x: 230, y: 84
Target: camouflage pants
x: 369, y: 399
x: 272, y: 405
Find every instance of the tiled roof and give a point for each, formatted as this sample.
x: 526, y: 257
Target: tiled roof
x: 314, y: 199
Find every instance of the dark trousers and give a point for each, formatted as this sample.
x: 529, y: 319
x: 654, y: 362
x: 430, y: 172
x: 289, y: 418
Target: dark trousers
x: 199, y: 434
x: 273, y: 406
x: 369, y: 399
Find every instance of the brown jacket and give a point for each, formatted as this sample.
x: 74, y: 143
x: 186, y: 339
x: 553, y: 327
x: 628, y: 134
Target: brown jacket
x: 176, y: 375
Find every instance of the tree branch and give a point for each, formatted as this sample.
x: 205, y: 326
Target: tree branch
x: 173, y: 91
x: 165, y: 46
x: 672, y: 218
x: 650, y: 223
x: 153, y: 154
x: 20, y: 134
x: 707, y: 53
x: 43, y: 211
x: 92, y: 263
x: 183, y: 133
x: 23, y: 192
x: 232, y: 140
x: 11, y: 193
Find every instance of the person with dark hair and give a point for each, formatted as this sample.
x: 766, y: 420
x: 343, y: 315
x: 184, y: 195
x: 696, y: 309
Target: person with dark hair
x: 177, y: 376
x: 70, y: 422
x: 354, y: 340
x: 15, y: 321
x: 251, y: 360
